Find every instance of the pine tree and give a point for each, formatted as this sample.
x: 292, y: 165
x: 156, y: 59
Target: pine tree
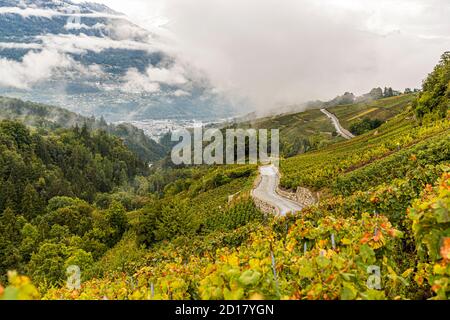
x: 9, y: 226
x: 31, y: 202
x: 84, y: 132
x: 117, y: 219
x: 8, y: 195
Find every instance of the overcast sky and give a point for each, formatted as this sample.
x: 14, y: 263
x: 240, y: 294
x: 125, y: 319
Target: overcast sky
x: 282, y: 52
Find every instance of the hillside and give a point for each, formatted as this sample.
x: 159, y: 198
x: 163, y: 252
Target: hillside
x: 61, y: 171
x: 380, y: 109
x: 311, y: 129
x: 380, y: 230
x: 43, y: 116
x: 324, y: 251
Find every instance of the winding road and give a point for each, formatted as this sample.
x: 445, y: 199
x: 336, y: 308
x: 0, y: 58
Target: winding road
x: 266, y: 191
x: 343, y: 132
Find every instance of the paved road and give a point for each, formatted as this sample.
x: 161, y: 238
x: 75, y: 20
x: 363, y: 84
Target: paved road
x: 266, y: 191
x: 343, y: 132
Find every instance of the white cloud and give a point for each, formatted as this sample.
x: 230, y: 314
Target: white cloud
x: 172, y: 76
x: 152, y: 78
x: 78, y: 26
x: 136, y: 82
x: 28, y: 12
x: 78, y: 44
x: 19, y: 45
x: 67, y: 11
x: 273, y: 52
x: 282, y: 52
x: 181, y: 93
x: 34, y: 67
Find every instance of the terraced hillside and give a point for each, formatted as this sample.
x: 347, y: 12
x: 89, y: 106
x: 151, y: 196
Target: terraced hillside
x: 382, y: 109
x: 381, y: 228
x: 324, y: 252
x: 321, y: 169
x: 312, y: 130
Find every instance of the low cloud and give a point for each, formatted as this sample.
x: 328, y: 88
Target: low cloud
x: 170, y: 76
x: 151, y: 80
x: 29, y: 12
x: 78, y: 44
x: 78, y: 26
x: 136, y: 82
x: 269, y: 53
x: 181, y: 93
x: 34, y: 67
x: 66, y: 11
x: 19, y: 45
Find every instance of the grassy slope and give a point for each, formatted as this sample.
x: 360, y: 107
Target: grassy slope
x: 311, y: 124
x: 311, y: 129
x: 382, y: 109
x: 320, y: 169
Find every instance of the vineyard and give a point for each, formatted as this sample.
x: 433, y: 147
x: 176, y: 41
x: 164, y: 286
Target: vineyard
x: 396, y: 139
x: 380, y: 230
x: 300, y: 258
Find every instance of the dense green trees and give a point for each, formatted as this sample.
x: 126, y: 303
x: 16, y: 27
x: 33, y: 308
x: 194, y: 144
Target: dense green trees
x: 48, y: 180
x: 435, y: 97
x: 364, y: 126
x: 49, y: 117
x: 376, y: 93
x: 388, y: 92
x: 36, y: 168
x: 69, y: 231
x: 117, y: 220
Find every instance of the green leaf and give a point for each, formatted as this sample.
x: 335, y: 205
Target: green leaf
x: 375, y: 295
x: 432, y: 241
x: 10, y: 293
x: 249, y: 277
x: 322, y: 262
x: 441, y: 213
x: 306, y: 270
x: 367, y: 254
x: 347, y: 276
x: 236, y: 294
x: 348, y: 292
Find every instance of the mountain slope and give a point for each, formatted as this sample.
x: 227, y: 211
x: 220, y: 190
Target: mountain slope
x: 93, y: 60
x: 323, y: 252
x: 192, y: 233
x: 43, y: 116
x: 311, y: 129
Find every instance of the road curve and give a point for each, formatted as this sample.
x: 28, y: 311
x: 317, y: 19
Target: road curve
x: 343, y: 132
x: 266, y: 191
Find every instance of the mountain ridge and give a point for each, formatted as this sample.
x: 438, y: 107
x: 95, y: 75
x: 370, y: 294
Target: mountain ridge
x: 94, y: 61
x: 44, y: 116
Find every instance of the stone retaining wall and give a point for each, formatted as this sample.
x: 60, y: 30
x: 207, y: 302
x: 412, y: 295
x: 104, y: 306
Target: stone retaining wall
x: 265, y: 207
x: 302, y: 196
